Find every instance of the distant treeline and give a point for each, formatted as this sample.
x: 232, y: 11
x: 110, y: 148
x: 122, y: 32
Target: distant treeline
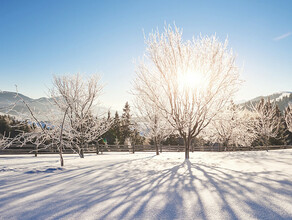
x: 123, y: 127
x: 9, y: 126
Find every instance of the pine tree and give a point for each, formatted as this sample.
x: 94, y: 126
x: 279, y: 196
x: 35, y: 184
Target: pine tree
x: 126, y: 123
x: 109, y: 137
x: 137, y: 139
x: 117, y: 127
x: 288, y: 122
x: 283, y: 133
x: 10, y: 126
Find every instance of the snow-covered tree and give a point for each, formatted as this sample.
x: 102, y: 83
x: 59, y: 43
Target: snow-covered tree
x: 245, y: 132
x: 153, y: 124
x: 232, y: 126
x: 5, y: 141
x: 266, y: 121
x: 126, y: 124
x: 74, y: 125
x: 76, y: 98
x: 188, y: 81
x: 224, y: 125
x: 41, y: 136
x: 288, y: 117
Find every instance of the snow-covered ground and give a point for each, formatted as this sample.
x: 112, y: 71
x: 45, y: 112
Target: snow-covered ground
x: 236, y: 185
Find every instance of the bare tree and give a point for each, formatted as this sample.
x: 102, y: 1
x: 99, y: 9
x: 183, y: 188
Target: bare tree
x: 188, y: 81
x: 288, y: 117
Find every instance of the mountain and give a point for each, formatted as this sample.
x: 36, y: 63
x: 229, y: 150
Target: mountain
x: 11, y: 103
x: 11, y: 97
x: 282, y: 99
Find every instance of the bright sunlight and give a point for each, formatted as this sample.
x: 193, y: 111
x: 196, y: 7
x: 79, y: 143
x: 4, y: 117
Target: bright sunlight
x: 191, y: 80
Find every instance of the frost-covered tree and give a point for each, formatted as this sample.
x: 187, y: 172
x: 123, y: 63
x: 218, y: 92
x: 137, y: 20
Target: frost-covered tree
x: 41, y: 136
x: 74, y: 125
x: 152, y: 123
x: 109, y: 136
x: 117, y: 128
x: 232, y: 126
x: 223, y: 126
x: 266, y: 121
x: 126, y: 123
x: 76, y: 97
x: 136, y: 137
x: 282, y: 136
x: 288, y: 117
x: 5, y: 141
x: 245, y: 132
x: 188, y: 81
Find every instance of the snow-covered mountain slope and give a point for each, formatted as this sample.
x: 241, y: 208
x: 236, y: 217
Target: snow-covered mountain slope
x: 11, y: 103
x: 282, y: 99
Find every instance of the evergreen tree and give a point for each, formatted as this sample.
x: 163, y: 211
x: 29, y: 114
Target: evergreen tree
x: 4, y: 125
x: 137, y: 139
x: 173, y: 139
x: 288, y: 122
x: 126, y: 123
x: 109, y: 136
x: 10, y: 126
x: 117, y: 127
x: 283, y: 133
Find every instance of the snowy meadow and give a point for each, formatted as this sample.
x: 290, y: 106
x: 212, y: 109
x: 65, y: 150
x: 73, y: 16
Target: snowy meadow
x: 182, y: 94
x: 228, y: 185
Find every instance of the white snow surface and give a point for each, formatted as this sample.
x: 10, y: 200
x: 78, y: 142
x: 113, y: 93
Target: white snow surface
x: 211, y: 185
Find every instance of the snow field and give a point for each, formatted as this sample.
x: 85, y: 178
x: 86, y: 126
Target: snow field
x: 211, y: 185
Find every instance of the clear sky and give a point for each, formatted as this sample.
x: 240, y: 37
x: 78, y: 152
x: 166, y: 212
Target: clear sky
x: 41, y: 38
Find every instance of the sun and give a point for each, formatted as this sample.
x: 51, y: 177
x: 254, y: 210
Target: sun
x: 191, y: 80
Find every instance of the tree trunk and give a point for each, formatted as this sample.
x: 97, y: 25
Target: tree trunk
x: 61, y: 134
x: 160, y: 145
x: 187, y: 148
x: 81, y: 153
x: 61, y: 158
x: 36, y: 151
x: 156, y: 146
x: 266, y: 144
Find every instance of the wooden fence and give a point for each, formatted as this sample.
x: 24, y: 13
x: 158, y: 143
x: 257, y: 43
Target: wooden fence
x: 31, y: 149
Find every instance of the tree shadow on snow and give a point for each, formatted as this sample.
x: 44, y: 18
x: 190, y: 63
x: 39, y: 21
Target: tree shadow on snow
x: 146, y: 189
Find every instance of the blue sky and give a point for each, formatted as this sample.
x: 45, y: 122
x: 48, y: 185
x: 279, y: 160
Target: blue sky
x: 41, y: 38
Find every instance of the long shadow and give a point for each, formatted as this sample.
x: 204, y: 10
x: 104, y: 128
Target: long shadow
x: 132, y: 190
